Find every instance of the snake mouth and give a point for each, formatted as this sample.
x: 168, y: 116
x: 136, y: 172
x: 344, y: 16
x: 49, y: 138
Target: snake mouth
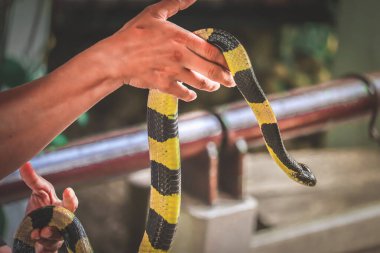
x: 305, y: 176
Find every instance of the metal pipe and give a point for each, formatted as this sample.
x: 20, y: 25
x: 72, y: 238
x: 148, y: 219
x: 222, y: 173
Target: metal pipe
x: 303, y: 111
x: 299, y: 112
x: 111, y: 154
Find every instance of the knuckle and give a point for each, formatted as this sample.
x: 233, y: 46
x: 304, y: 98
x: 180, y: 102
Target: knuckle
x: 158, y: 70
x: 213, y: 72
x: 177, y: 56
x: 50, y: 187
x: 153, y: 11
x: 184, y: 95
x: 166, y: 72
x: 203, y: 85
x: 150, y: 8
x: 211, y: 52
x: 180, y: 37
x: 165, y: 86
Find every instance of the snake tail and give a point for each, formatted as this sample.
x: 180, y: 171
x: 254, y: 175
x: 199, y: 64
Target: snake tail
x: 165, y: 198
x: 65, y: 221
x: 240, y: 66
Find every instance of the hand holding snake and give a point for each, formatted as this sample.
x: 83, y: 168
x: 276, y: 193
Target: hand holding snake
x: 154, y: 53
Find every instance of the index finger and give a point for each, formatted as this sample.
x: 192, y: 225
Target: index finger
x: 201, y: 47
x: 31, y: 178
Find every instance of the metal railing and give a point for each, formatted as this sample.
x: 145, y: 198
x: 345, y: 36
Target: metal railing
x: 299, y: 112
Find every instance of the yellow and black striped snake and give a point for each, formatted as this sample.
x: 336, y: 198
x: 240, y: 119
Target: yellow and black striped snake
x: 165, y: 159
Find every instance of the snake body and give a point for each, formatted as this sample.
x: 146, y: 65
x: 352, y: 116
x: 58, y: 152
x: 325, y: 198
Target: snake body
x: 164, y: 153
x: 56, y: 216
x: 241, y: 68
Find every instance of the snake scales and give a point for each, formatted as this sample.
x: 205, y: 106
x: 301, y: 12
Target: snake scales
x: 165, y: 159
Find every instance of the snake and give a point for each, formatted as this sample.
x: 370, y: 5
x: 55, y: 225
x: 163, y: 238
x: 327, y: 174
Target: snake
x: 66, y: 222
x: 165, y: 163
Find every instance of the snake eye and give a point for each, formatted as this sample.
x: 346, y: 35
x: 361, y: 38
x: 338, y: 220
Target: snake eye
x: 306, y: 176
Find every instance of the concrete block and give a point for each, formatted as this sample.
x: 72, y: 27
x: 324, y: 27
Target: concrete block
x: 224, y: 227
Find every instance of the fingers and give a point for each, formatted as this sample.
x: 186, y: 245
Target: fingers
x: 48, y: 233
x: 47, y: 239
x: 39, y: 199
x: 30, y: 177
x: 35, y: 234
x: 203, y: 58
x: 34, y: 181
x: 70, y: 200
x: 167, y: 8
x: 204, y: 49
x: 210, y: 70
x: 198, y: 81
x: 43, y: 192
x: 198, y: 45
x: 47, y: 246
x: 179, y: 90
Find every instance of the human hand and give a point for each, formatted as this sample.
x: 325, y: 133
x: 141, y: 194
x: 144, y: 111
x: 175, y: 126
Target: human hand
x: 151, y: 52
x: 47, y: 239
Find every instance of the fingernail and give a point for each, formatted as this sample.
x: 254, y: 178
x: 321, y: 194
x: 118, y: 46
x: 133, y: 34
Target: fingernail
x: 35, y: 235
x: 215, y: 87
x: 193, y: 96
x: 47, y: 233
x: 69, y: 191
x: 232, y: 81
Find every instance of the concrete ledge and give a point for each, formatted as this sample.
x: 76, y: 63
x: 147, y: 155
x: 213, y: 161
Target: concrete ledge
x: 348, y: 232
x: 226, y: 226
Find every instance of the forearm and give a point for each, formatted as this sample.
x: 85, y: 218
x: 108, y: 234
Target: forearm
x: 33, y: 114
x: 147, y: 52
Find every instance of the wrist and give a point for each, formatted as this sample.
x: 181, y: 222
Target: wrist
x: 106, y: 56
x: 93, y: 67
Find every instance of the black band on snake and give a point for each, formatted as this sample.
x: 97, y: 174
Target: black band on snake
x: 165, y: 158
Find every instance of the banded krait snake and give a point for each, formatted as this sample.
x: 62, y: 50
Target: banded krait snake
x: 165, y: 159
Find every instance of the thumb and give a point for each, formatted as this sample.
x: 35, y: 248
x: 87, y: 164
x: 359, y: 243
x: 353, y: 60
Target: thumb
x: 167, y: 8
x: 70, y: 200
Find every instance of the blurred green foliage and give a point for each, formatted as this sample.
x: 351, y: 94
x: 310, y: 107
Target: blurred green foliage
x: 12, y: 74
x: 305, y: 55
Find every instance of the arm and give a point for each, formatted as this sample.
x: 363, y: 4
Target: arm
x: 148, y: 52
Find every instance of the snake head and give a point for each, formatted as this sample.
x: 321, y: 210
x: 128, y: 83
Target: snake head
x: 305, y: 176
